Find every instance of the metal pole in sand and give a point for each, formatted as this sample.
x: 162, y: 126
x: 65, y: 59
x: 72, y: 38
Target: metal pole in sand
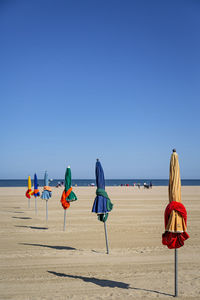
x: 36, y: 205
x: 105, y: 228
x: 64, y: 220
x: 47, y: 210
x: 29, y: 203
x: 176, y: 273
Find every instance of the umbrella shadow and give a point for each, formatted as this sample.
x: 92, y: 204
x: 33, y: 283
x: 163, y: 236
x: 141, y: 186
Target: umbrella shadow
x: 152, y: 291
x: 32, y: 227
x: 99, y: 252
x: 100, y: 282
x: 107, y: 283
x: 95, y: 251
x: 49, y: 246
x: 22, y: 218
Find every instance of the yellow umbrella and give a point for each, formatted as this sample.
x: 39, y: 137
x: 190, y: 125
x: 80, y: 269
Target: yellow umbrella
x: 29, y: 192
x: 176, y: 223
x: 175, y: 215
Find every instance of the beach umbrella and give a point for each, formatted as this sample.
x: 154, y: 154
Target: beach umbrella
x: 175, y: 215
x: 29, y: 192
x: 46, y: 194
x: 102, y: 204
x: 36, y: 192
x: 68, y: 195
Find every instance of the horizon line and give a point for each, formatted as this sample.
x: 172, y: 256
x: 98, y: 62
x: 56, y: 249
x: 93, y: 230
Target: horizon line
x: 105, y: 179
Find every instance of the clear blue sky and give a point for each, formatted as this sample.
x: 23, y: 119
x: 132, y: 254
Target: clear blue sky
x: 117, y: 80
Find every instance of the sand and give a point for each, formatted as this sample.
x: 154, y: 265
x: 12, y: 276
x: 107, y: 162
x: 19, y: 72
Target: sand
x: 41, y: 261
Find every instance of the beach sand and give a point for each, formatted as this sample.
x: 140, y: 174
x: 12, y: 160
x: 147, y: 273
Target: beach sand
x: 41, y: 261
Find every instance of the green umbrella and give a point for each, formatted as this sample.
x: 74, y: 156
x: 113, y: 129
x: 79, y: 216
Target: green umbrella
x: 68, y: 184
x: 68, y: 195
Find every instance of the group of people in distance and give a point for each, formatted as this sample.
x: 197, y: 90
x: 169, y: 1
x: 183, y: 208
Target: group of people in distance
x: 146, y: 185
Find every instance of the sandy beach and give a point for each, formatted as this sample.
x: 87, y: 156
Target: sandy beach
x: 41, y: 261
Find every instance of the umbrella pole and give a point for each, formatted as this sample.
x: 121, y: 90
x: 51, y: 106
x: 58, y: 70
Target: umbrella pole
x: 64, y: 220
x: 46, y: 210
x: 105, y: 228
x: 176, y: 273
x: 36, y: 205
x: 29, y: 203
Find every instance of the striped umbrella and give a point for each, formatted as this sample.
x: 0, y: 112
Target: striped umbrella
x: 68, y: 195
x: 175, y: 214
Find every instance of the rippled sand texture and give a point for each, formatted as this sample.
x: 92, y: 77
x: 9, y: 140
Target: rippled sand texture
x: 40, y: 261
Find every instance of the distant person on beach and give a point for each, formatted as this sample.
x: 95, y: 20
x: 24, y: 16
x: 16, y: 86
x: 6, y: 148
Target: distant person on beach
x: 146, y: 186
x: 150, y: 185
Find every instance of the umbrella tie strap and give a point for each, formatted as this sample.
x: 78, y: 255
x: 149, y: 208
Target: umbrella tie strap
x: 29, y: 193
x: 101, y: 192
x: 47, y: 188
x: 68, y: 192
x: 36, y: 192
x: 177, y: 206
x: 174, y: 239
x: 65, y: 203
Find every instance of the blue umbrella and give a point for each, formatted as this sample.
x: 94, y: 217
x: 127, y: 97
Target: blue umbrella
x: 102, y: 204
x: 36, y: 192
x: 46, y: 194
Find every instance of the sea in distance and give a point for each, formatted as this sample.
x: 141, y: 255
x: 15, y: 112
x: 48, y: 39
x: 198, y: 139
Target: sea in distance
x: 90, y: 182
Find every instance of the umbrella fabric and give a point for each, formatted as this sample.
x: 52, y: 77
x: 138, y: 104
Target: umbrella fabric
x: 46, y: 194
x: 68, y: 195
x: 36, y: 192
x: 29, y: 192
x: 102, y: 204
x: 175, y: 212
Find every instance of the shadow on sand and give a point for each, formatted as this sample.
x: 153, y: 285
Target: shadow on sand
x: 153, y: 291
x: 18, y: 212
x: 49, y: 246
x: 100, y: 282
x: 32, y: 227
x: 107, y: 283
x: 22, y: 218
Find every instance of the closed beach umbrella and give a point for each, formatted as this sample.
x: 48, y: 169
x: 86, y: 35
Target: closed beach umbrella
x: 68, y: 195
x: 36, y: 192
x: 102, y: 204
x: 175, y: 213
x: 46, y: 194
x: 29, y: 192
